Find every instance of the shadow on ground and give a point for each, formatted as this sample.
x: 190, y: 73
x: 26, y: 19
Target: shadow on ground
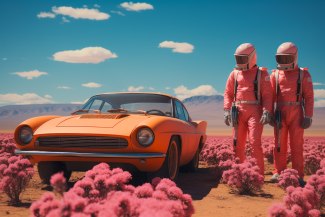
x: 198, y: 184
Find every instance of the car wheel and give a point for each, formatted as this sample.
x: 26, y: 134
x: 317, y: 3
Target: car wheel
x: 170, y: 167
x: 193, y: 165
x: 47, y: 169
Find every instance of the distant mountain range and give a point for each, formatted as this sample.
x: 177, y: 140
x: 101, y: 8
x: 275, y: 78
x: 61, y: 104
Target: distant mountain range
x: 37, y: 109
x: 208, y: 108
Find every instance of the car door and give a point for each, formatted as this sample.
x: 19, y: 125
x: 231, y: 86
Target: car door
x: 187, y: 130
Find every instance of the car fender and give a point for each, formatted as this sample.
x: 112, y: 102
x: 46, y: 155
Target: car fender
x: 33, y: 123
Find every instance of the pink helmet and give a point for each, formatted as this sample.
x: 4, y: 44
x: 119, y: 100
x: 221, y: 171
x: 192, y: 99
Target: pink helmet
x: 245, y: 56
x: 287, y: 56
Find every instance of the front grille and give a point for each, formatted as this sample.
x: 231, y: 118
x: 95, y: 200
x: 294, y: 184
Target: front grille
x: 82, y: 142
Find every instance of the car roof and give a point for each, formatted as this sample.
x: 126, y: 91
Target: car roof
x: 155, y: 93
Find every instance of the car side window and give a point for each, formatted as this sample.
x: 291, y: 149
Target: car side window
x: 180, y: 111
x: 187, y: 116
x: 96, y: 104
x: 106, y: 107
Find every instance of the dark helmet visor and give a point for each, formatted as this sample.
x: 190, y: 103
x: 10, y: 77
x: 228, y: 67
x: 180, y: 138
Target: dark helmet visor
x: 241, y: 59
x: 284, y: 59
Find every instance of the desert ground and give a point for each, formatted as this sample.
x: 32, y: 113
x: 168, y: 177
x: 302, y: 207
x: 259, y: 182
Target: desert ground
x: 210, y: 196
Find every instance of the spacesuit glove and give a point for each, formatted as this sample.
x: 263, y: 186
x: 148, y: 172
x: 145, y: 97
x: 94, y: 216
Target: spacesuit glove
x: 266, y: 117
x: 227, y: 117
x: 306, y: 122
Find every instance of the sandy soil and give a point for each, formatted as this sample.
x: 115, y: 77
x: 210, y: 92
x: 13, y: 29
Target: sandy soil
x: 209, y: 197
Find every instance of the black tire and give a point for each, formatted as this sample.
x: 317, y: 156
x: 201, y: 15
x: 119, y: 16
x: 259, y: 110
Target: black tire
x: 47, y: 169
x: 170, y: 167
x: 193, y: 165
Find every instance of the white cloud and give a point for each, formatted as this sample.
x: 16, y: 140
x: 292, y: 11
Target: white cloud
x: 48, y: 96
x: 151, y: 88
x: 65, y: 20
x: 81, y: 13
x: 4, y: 58
x: 96, y: 6
x: 167, y: 88
x: 118, y: 12
x: 139, y: 6
x: 85, y: 55
x: 177, y: 47
x: 64, y: 87
x: 135, y: 89
x: 76, y: 102
x: 318, y: 84
x: 319, y: 93
x: 91, y: 85
x: 26, y: 98
x: 80, y: 102
x: 31, y: 74
x: 46, y: 15
x: 183, y: 92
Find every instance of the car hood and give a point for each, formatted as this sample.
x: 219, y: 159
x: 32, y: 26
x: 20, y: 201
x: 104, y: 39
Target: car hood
x: 119, y: 124
x: 93, y: 120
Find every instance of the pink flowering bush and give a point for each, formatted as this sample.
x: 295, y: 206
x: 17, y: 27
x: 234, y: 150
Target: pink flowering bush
x: 7, y: 145
x: 218, y: 154
x: 303, y: 202
x: 298, y: 202
x: 15, y: 174
x: 244, y: 178
x: 105, y: 192
x: 268, y: 146
x: 280, y: 210
x: 288, y: 177
x: 58, y: 182
x: 314, y: 152
x: 312, y: 161
x: 316, y: 183
x: 15, y: 171
x: 248, y: 149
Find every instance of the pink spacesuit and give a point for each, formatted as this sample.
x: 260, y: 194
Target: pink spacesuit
x: 294, y: 99
x: 248, y: 87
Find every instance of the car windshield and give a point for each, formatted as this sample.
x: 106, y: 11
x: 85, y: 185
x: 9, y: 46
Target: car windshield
x: 129, y: 103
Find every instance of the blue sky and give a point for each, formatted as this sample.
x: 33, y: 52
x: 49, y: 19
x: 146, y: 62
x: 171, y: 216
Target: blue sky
x: 126, y: 39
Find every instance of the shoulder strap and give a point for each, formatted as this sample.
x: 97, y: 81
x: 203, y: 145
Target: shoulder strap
x: 257, y: 85
x: 277, y: 86
x: 235, y: 84
x: 299, y: 84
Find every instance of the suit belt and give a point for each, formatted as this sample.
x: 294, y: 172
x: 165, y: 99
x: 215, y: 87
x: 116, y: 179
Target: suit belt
x: 250, y: 102
x: 289, y: 103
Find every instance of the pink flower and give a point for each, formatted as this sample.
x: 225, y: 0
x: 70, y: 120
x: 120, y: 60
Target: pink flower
x: 288, y: 177
x: 244, y: 178
x: 279, y: 210
x: 104, y: 192
x: 58, y: 182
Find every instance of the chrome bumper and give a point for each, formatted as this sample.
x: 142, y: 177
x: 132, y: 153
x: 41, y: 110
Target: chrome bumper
x: 81, y: 154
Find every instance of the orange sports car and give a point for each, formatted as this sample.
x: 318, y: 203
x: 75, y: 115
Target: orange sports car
x: 151, y: 132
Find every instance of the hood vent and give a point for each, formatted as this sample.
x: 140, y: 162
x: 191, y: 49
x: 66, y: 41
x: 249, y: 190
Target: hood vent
x: 103, y: 116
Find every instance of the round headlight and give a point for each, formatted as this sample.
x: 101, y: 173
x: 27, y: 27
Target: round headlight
x: 25, y: 134
x: 145, y: 136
